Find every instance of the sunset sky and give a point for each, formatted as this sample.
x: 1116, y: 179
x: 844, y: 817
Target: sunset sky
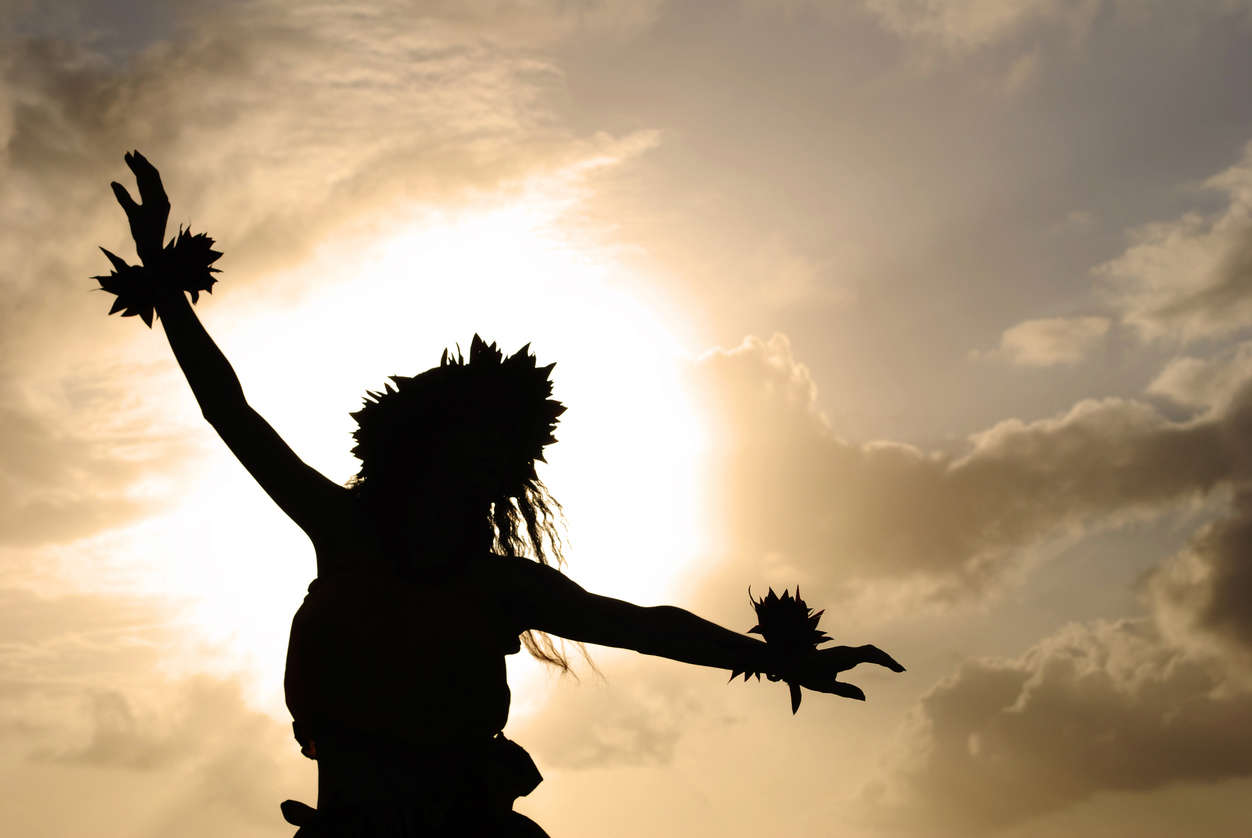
x: 939, y: 309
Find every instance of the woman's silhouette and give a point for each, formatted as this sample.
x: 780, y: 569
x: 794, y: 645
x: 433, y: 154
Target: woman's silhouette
x: 395, y: 669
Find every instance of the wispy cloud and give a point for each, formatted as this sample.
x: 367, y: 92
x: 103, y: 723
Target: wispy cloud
x: 1190, y: 278
x: 1204, y: 382
x: 1049, y: 341
x: 962, y: 25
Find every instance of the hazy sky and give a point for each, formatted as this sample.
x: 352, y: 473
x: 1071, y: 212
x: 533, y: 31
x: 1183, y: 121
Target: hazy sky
x: 941, y: 309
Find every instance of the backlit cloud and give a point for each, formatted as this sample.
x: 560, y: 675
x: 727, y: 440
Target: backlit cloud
x: 273, y: 168
x: 888, y: 183
x: 834, y: 510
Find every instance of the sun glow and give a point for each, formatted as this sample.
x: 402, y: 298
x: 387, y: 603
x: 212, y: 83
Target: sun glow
x: 625, y: 467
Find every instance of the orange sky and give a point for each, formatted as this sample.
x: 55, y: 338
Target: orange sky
x: 940, y: 311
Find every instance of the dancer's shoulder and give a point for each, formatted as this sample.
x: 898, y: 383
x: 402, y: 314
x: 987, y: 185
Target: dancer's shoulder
x: 517, y: 570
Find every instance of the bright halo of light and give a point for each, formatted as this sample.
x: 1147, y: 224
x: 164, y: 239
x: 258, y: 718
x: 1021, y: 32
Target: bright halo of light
x: 624, y: 468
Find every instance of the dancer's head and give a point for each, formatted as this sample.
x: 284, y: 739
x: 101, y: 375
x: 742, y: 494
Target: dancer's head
x: 449, y: 456
x: 455, y: 448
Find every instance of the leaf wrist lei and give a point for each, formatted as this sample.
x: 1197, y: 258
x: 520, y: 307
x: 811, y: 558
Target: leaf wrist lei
x: 791, y: 634
x: 184, y: 264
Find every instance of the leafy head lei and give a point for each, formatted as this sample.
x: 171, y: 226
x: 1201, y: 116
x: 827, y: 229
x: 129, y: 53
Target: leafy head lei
x: 479, y: 423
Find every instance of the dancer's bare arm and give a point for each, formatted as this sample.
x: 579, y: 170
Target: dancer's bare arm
x: 547, y: 600
x: 308, y: 498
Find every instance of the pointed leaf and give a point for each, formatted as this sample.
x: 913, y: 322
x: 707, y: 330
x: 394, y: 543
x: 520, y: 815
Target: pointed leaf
x: 119, y: 264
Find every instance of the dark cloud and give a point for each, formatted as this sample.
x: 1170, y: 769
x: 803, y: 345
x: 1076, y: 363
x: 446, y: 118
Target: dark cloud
x: 1102, y: 707
x: 1127, y: 706
x: 1202, y: 595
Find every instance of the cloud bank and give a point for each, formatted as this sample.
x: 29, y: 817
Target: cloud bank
x: 956, y: 524
x: 1101, y: 707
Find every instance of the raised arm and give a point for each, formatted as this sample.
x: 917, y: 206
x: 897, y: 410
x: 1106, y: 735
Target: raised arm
x: 308, y: 498
x: 547, y: 600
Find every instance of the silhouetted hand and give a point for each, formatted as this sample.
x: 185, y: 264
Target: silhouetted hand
x: 147, y: 220
x: 820, y: 672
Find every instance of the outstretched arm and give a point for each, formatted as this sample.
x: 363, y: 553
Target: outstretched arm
x: 308, y: 498
x: 547, y: 600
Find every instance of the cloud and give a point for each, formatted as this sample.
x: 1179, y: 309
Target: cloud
x: 789, y: 277
x: 1200, y: 596
x: 204, y: 761
x: 1131, y: 705
x: 1108, y: 706
x: 1050, y: 341
x: 84, y: 704
x: 58, y: 652
x: 949, y: 525
x: 273, y: 130
x: 1099, y: 707
x: 1207, y: 382
x: 1190, y: 278
x: 77, y: 457
x: 634, y: 717
x: 964, y: 25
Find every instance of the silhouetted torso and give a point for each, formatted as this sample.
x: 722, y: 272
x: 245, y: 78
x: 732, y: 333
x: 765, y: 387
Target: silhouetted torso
x: 421, y: 662
x: 397, y: 680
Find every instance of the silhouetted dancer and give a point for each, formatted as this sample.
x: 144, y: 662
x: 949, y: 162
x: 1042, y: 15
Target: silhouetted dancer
x: 395, y: 670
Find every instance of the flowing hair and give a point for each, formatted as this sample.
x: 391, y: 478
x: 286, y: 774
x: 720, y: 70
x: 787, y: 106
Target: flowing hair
x: 528, y: 525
